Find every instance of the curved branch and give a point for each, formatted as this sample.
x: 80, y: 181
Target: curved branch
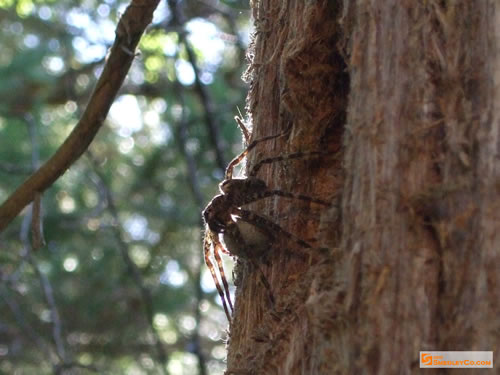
x: 128, y: 33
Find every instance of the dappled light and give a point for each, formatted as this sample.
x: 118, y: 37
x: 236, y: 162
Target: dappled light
x: 109, y: 276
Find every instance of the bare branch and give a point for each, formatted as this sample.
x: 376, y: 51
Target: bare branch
x: 22, y: 322
x: 205, y: 98
x: 181, y: 134
x: 37, y: 223
x: 36, y: 212
x: 47, y: 289
x: 33, y: 219
x: 59, y: 369
x: 145, y: 293
x: 14, y: 168
x: 128, y: 33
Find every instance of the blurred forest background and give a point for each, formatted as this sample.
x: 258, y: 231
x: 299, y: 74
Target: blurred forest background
x: 120, y: 286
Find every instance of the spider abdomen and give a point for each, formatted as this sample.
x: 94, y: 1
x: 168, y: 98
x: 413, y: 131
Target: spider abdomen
x: 249, y: 242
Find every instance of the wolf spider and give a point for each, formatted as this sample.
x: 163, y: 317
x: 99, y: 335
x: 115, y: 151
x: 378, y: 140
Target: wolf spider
x: 244, y: 232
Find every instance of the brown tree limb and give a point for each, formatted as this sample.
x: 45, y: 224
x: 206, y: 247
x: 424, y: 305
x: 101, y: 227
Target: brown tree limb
x: 130, y: 28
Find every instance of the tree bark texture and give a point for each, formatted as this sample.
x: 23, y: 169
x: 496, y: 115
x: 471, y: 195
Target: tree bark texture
x: 298, y: 81
x: 412, y: 254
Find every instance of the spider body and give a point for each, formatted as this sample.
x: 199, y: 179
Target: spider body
x: 224, y: 216
x: 234, y: 230
x: 235, y: 193
x: 247, y: 240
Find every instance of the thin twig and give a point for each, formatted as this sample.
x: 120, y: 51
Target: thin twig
x: 145, y: 293
x: 128, y: 33
x: 206, y: 100
x: 36, y: 211
x: 47, y: 289
x: 26, y: 253
x: 177, y: 20
x: 46, y: 286
x: 181, y: 134
x: 66, y: 366
x: 14, y: 168
x: 23, y: 324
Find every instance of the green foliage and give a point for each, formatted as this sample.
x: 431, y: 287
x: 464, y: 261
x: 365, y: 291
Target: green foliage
x: 131, y: 196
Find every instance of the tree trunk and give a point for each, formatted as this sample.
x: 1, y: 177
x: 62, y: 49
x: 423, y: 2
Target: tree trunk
x: 407, y: 257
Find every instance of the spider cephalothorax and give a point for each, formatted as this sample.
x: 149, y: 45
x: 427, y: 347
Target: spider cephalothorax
x: 240, y: 232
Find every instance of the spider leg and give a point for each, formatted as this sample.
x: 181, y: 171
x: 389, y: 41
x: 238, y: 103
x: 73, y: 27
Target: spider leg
x: 264, y: 281
x: 237, y: 160
x: 218, y: 246
x: 224, y: 251
x: 207, y: 242
x: 243, y: 128
x: 305, y: 198
x: 266, y: 224
x: 296, y: 155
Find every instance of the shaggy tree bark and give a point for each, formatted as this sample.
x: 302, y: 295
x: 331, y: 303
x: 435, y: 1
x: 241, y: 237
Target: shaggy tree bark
x: 412, y: 254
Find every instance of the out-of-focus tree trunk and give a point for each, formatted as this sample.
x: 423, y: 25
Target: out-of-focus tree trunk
x: 403, y: 98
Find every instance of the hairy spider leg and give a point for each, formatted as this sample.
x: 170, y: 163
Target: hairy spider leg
x: 237, y: 160
x: 264, y: 281
x: 207, y: 243
x: 218, y: 246
x: 295, y: 155
x: 286, y: 194
x: 223, y: 249
x: 243, y: 128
